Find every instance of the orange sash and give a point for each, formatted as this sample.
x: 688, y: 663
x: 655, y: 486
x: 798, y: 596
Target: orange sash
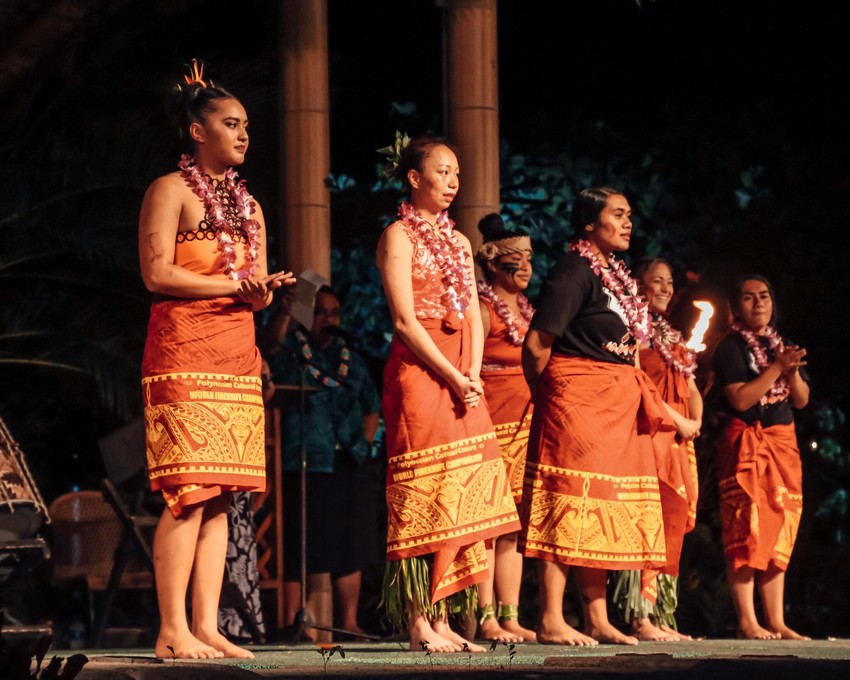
x: 203, y: 400
x: 447, y: 490
x: 510, y: 408
x: 601, y: 489
x: 674, y: 389
x: 761, y: 495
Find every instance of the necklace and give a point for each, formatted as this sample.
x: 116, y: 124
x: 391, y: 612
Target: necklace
x: 318, y: 374
x: 617, y: 278
x: 664, y: 339
x: 511, y: 320
x: 227, y: 220
x: 448, y: 253
x: 780, y: 388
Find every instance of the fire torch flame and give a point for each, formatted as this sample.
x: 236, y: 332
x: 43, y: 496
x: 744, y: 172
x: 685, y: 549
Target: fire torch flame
x: 706, y: 311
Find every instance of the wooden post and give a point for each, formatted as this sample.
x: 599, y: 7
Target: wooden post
x: 305, y: 153
x: 472, y: 108
x: 306, y: 162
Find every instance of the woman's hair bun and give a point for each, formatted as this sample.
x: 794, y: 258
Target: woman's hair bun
x: 492, y: 228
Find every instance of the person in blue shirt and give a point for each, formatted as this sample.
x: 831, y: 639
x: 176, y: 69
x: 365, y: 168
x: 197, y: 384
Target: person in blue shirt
x: 340, y: 422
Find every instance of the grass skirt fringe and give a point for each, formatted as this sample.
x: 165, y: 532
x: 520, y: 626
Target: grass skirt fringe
x: 407, y: 587
x: 632, y: 605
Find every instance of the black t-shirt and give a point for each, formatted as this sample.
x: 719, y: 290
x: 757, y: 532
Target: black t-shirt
x: 585, y: 317
x: 733, y: 362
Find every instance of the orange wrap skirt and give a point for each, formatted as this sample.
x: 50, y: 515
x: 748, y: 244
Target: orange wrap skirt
x: 510, y: 409
x: 447, y: 490
x: 204, y: 414
x: 601, y: 488
x: 761, y: 493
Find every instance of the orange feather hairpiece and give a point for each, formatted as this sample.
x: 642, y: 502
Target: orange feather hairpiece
x: 196, y: 74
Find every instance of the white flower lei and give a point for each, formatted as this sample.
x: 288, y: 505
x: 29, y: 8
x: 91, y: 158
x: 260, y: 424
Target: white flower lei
x: 617, y: 278
x: 664, y: 338
x: 448, y: 252
x: 780, y: 388
x: 216, y: 214
x: 511, y: 320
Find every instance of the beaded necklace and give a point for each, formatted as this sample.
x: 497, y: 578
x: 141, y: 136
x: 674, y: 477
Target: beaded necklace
x: 664, y: 339
x: 226, y: 220
x: 448, y: 253
x: 318, y: 374
x: 617, y: 278
x: 780, y: 388
x: 511, y: 320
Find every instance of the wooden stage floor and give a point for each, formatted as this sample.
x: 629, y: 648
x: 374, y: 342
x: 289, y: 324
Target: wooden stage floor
x: 714, y: 659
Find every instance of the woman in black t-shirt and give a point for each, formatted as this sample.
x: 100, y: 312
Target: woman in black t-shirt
x: 592, y: 495
x: 758, y: 382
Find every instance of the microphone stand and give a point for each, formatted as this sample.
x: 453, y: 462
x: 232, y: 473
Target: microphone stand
x: 303, y: 622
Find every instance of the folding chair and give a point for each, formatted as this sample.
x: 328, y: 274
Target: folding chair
x: 127, y: 490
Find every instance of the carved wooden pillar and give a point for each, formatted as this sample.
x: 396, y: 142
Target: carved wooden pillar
x: 305, y: 152
x: 472, y: 108
x: 305, y: 163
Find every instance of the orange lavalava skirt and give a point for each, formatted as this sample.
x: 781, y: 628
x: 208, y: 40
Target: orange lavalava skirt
x: 204, y: 414
x: 447, y: 490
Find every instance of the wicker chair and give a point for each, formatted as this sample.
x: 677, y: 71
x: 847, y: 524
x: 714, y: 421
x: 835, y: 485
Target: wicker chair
x: 86, y: 534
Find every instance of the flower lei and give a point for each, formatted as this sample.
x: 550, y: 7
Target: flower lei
x: 319, y: 375
x: 449, y: 255
x: 617, y: 278
x: 216, y: 213
x: 780, y: 388
x: 514, y: 323
x: 664, y: 338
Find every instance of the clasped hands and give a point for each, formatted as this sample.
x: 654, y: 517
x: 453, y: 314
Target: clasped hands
x: 790, y: 357
x: 468, y: 388
x: 253, y: 290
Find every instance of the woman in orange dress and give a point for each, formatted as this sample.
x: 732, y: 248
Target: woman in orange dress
x: 648, y: 605
x: 202, y: 251
x: 759, y: 383
x: 447, y: 490
x: 505, y: 260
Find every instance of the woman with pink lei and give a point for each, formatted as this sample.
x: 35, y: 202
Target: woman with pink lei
x: 202, y: 250
x: 648, y: 602
x: 505, y: 260
x: 598, y: 481
x: 447, y: 490
x: 759, y: 383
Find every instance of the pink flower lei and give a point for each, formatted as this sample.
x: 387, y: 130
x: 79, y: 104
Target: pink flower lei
x: 780, y: 388
x: 617, y: 278
x: 216, y: 213
x: 511, y: 320
x: 448, y: 253
x: 664, y: 338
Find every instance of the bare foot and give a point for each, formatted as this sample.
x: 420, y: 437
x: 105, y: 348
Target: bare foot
x: 785, y: 633
x: 558, y: 632
x: 424, y: 638
x: 170, y: 645
x: 673, y: 631
x: 610, y: 635
x: 755, y: 632
x: 646, y: 632
x: 443, y: 629
x: 223, y: 645
x: 491, y: 630
x: 524, y: 634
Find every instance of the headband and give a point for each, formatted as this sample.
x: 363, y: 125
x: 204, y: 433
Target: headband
x: 504, y: 246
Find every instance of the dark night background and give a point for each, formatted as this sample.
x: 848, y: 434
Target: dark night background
x: 729, y: 118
